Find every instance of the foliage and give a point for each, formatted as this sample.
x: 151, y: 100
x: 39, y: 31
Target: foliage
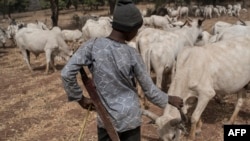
x: 45, y: 4
x: 7, y: 6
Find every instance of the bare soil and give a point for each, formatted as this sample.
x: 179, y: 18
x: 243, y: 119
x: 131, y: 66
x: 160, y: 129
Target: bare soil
x: 34, y: 106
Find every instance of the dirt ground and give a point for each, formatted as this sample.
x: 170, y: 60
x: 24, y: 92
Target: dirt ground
x: 34, y: 106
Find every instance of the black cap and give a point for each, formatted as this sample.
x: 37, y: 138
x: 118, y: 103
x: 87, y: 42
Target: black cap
x: 126, y: 17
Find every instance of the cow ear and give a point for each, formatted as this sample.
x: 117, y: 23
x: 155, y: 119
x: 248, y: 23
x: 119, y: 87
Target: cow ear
x: 184, y: 24
x: 200, y: 22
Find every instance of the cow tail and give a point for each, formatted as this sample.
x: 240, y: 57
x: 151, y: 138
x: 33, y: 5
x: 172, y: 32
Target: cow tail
x: 138, y: 45
x: 148, y: 60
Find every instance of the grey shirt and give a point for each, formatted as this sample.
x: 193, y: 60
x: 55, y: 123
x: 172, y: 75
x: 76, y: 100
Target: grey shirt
x: 114, y: 66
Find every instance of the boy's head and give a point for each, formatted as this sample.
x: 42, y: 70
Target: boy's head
x: 126, y: 17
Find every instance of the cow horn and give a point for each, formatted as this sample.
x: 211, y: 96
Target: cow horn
x: 242, y: 22
x: 184, y: 23
x: 188, y: 18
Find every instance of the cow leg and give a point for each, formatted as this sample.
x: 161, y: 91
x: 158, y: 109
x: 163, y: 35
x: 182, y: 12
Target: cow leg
x: 159, y: 75
x: 199, y: 125
x: 203, y: 99
x: 241, y: 98
x: 48, y: 53
x: 26, y: 56
x: 52, y: 63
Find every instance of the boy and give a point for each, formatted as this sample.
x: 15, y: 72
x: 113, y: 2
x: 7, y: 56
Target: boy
x: 115, y: 66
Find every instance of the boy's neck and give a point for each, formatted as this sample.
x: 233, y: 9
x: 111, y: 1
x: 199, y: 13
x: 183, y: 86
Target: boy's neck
x: 117, y: 36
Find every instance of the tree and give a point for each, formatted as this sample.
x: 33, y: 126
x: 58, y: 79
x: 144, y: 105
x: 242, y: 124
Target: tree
x: 112, y: 6
x: 54, y: 11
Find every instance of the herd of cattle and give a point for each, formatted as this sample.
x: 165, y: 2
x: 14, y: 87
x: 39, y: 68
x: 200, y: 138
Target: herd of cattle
x: 197, y: 64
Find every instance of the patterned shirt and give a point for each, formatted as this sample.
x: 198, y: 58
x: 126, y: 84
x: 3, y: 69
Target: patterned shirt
x: 114, y: 67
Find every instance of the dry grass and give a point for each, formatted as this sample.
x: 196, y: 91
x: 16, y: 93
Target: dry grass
x: 34, y: 105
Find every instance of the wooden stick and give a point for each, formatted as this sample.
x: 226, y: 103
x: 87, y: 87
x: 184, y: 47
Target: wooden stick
x: 101, y: 110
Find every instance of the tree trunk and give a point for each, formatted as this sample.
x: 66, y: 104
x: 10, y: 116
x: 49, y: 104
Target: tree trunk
x: 214, y: 2
x: 4, y: 8
x: 244, y: 4
x: 55, y: 12
x: 112, y: 6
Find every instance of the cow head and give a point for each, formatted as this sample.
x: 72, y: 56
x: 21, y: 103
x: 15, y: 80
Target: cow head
x: 3, y: 36
x: 195, y: 29
x: 170, y: 130
x: 65, y: 53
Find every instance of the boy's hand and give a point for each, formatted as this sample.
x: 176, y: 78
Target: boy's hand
x: 86, y: 103
x: 175, y: 101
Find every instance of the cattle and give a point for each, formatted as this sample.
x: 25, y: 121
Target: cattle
x: 219, y: 26
x: 162, y: 53
x: 233, y: 31
x: 12, y: 30
x: 93, y: 29
x: 162, y: 22
x: 198, y: 12
x: 208, y: 11
x: 38, y: 25
x: 174, y: 12
x: 216, y: 12
x: 39, y: 41
x: 237, y: 8
x: 159, y: 48
x: 222, y: 9
x: 201, y: 73
x: 72, y: 37
x: 3, y: 37
x: 203, y: 39
x: 184, y: 11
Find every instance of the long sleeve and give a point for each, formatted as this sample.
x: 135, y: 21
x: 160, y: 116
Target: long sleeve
x: 82, y: 57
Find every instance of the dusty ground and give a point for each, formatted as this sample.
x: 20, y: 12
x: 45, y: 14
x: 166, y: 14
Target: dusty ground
x: 34, y: 106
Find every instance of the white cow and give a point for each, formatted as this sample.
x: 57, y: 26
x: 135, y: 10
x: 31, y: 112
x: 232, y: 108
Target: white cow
x: 72, y: 37
x: 38, y: 25
x: 3, y: 37
x: 39, y: 41
x: 237, y: 8
x: 174, y: 12
x: 184, y: 11
x: 93, y: 29
x: 161, y: 47
x: 216, y: 12
x: 208, y: 11
x: 219, y: 26
x: 203, y: 39
x: 162, y: 53
x: 162, y: 22
x: 233, y: 31
x: 202, y: 73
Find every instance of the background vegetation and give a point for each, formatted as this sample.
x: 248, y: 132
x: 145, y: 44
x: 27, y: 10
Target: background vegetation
x: 16, y: 6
